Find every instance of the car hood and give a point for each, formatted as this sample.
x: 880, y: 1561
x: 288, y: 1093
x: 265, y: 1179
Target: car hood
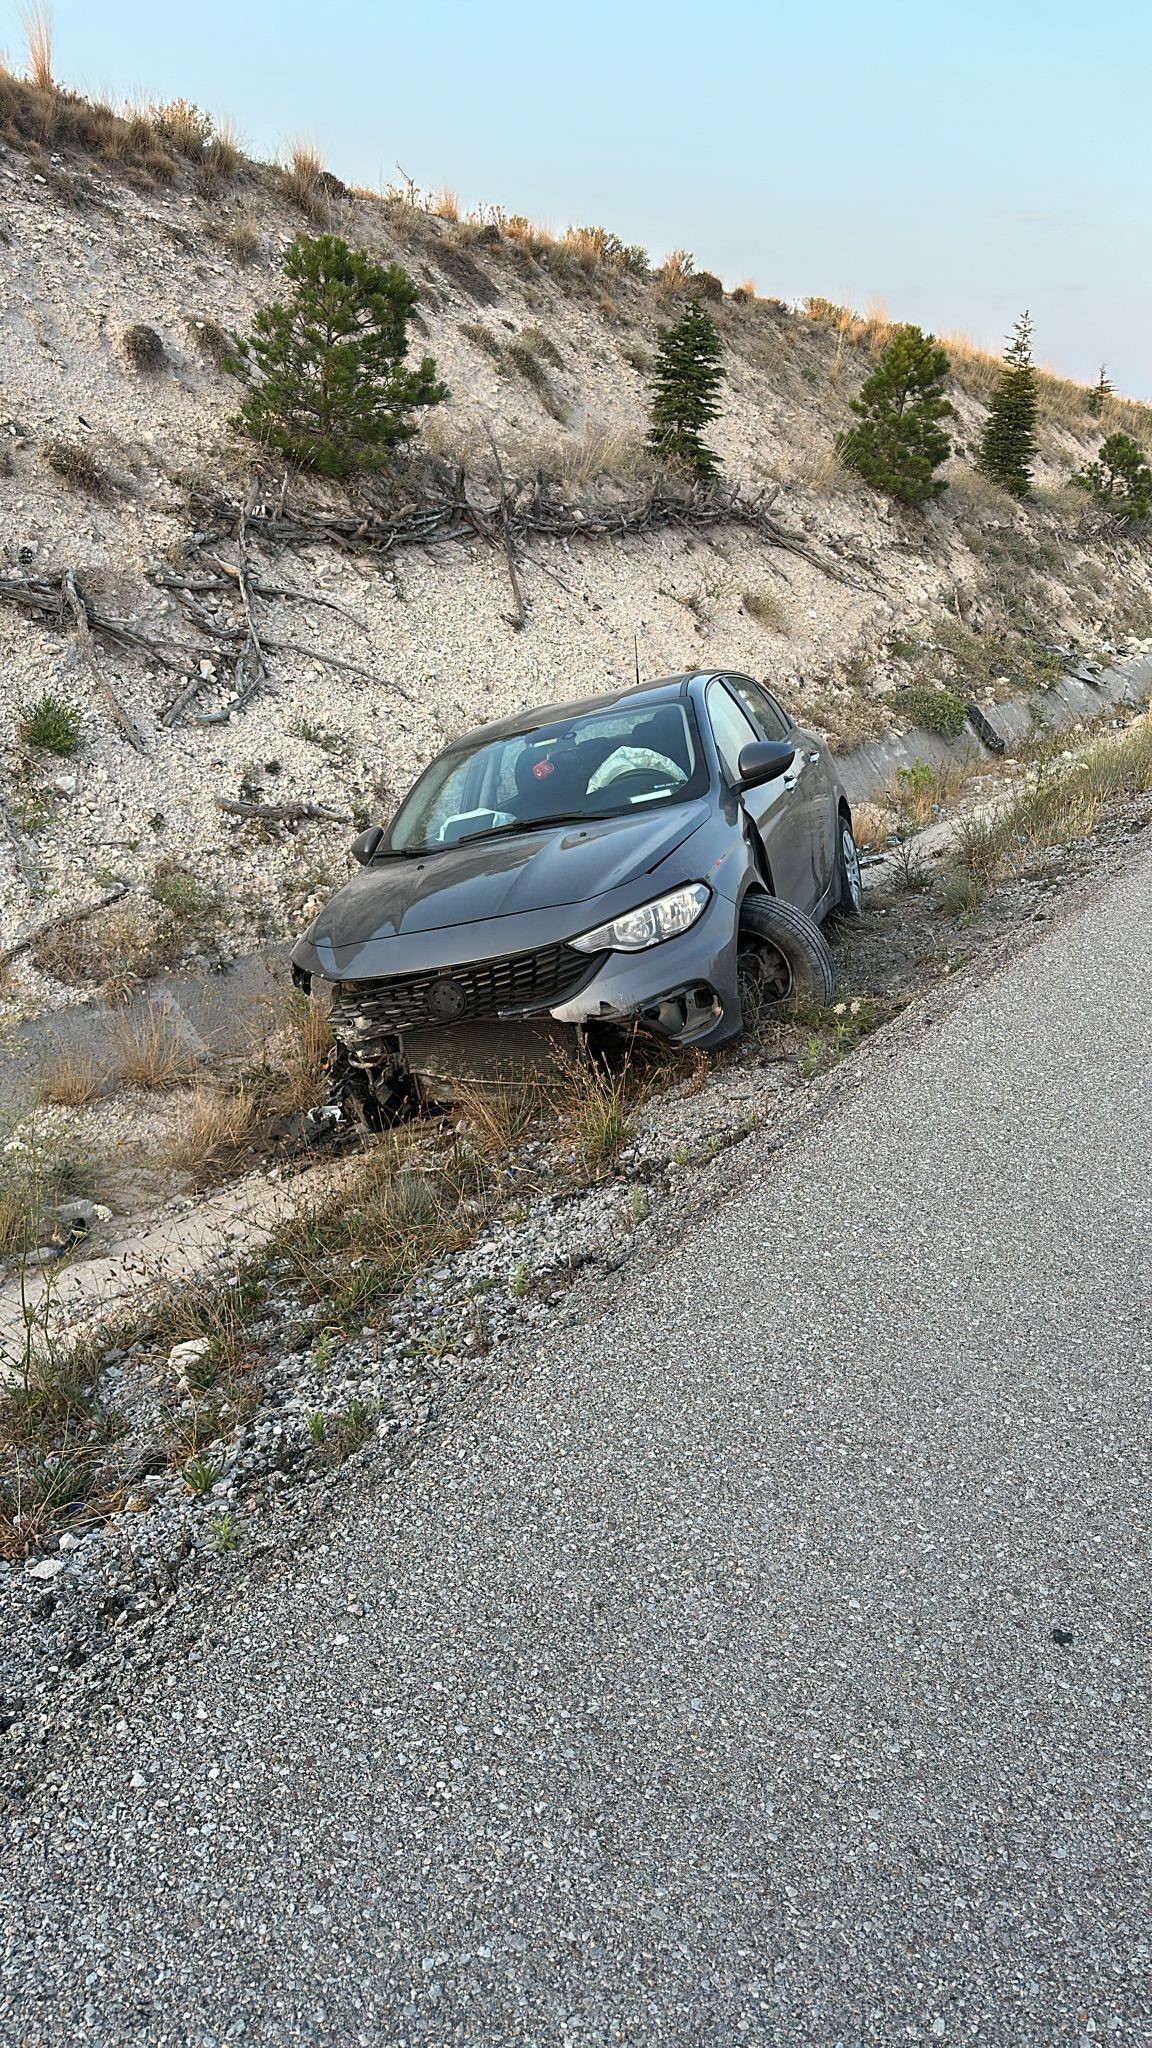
x: 541, y: 870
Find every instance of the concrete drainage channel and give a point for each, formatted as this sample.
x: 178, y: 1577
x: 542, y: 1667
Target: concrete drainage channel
x: 212, y: 1016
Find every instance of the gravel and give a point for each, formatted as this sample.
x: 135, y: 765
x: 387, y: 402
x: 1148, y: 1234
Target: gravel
x: 769, y: 1663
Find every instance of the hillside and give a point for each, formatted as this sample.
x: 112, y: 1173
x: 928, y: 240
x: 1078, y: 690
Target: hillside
x: 111, y: 462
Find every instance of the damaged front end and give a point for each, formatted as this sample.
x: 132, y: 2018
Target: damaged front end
x: 409, y: 1041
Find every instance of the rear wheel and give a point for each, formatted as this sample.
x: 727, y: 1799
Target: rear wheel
x: 781, y: 957
x: 850, y: 901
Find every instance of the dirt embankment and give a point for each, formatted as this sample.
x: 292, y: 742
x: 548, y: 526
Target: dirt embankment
x: 110, y: 447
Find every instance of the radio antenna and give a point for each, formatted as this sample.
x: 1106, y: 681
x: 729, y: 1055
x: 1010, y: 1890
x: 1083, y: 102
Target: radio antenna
x: 636, y: 658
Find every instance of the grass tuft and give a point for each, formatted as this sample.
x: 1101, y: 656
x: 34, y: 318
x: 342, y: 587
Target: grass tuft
x: 71, y: 1081
x: 52, y: 725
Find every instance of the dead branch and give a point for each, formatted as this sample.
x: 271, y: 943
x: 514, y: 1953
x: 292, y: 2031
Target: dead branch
x: 519, y: 617
x: 63, y: 917
x: 119, y: 711
x: 282, y: 814
x: 22, y: 847
x: 528, y: 512
x: 251, y: 671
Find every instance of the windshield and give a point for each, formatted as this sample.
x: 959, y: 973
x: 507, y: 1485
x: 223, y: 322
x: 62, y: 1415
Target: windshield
x: 605, y: 764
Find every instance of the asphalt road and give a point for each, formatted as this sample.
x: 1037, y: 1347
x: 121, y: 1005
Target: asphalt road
x: 708, y: 1689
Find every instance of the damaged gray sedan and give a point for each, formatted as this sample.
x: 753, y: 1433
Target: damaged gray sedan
x: 657, y: 860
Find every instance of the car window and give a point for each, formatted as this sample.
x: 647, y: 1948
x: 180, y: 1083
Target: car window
x: 732, y: 729
x: 762, y: 709
x: 645, y: 751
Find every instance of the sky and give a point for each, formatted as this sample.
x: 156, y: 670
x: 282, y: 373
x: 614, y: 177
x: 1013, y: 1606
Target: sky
x: 951, y: 165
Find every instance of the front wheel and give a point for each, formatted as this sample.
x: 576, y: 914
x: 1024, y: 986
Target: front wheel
x: 781, y: 956
x: 850, y: 901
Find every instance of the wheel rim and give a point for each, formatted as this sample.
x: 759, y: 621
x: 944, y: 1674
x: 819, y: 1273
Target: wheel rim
x: 764, y: 978
x: 850, y: 860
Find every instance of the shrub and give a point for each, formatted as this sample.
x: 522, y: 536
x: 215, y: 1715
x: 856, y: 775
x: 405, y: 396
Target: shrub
x: 74, y: 463
x: 215, y: 344
x: 674, y: 272
x: 186, y: 126
x: 334, y: 393
x: 1119, y: 478
x: 144, y: 350
x: 899, y: 443
x: 707, y: 285
x: 1008, y: 443
x: 939, y: 711
x: 52, y: 724
x: 686, y: 380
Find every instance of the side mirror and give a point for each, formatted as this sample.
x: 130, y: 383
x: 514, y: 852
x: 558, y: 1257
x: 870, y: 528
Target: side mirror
x: 763, y: 761
x: 364, y: 848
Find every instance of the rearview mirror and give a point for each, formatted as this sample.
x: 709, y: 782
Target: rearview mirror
x: 364, y: 848
x: 763, y: 761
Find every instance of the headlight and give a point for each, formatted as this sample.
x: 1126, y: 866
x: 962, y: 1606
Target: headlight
x: 663, y: 919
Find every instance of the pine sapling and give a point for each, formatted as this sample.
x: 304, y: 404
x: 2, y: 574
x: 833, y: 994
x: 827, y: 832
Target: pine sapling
x: 686, y: 378
x: 899, y: 443
x: 333, y: 391
x: 1008, y: 444
x: 1120, y: 478
x: 1101, y: 390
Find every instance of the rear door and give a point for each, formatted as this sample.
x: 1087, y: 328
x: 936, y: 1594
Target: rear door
x: 778, y: 817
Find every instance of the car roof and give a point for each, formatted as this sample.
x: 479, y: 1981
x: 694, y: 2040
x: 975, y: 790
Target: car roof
x: 662, y: 690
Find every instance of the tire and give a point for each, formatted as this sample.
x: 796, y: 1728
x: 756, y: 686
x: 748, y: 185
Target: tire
x: 781, y: 957
x: 850, y: 899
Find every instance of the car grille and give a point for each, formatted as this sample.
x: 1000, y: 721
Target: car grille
x: 458, y: 995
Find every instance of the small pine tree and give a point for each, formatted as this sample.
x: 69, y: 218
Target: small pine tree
x: 1120, y: 477
x: 686, y: 378
x: 334, y: 393
x: 899, y: 443
x: 1101, y: 390
x: 1008, y: 443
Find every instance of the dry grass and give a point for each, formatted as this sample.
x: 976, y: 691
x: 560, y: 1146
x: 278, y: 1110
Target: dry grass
x: 213, y: 343
x: 151, y: 1052
x: 872, y: 827
x: 445, y: 205
x: 219, y: 166
x: 75, y: 464
x: 302, y: 180
x: 1061, y: 805
x: 817, y: 469
x: 72, y: 1081
x: 496, y: 1120
x: 847, y: 719
x: 578, y: 460
x: 293, y: 1049
x: 595, y: 1112
x: 239, y: 236
x: 211, y: 1123
x: 36, y: 22
x: 674, y: 273
x: 526, y: 353
x: 116, y: 948
x: 765, y: 606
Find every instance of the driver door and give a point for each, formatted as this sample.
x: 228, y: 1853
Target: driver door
x: 774, y: 807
